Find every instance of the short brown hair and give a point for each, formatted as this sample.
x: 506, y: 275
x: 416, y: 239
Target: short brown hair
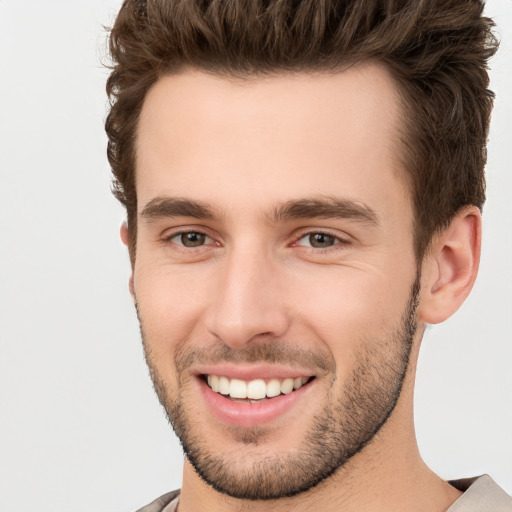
x: 436, y: 50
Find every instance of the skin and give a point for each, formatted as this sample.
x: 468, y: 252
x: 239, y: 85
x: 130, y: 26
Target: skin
x: 246, y: 148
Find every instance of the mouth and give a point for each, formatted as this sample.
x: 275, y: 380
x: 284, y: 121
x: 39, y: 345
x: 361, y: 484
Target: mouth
x: 250, y: 396
x: 255, y: 390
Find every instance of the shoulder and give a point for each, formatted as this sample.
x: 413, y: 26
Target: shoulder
x: 481, y: 494
x: 160, y: 503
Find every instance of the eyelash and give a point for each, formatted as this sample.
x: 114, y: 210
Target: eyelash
x: 168, y: 238
x: 337, y: 240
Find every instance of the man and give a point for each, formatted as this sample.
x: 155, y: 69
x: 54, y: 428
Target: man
x: 303, y: 184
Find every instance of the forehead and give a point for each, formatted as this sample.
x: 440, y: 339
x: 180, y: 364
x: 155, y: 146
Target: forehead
x: 272, y: 138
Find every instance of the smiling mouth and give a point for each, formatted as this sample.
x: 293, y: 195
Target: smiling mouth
x: 256, y: 390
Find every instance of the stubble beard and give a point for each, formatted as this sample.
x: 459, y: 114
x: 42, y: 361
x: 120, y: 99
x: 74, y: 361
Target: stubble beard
x: 345, y: 426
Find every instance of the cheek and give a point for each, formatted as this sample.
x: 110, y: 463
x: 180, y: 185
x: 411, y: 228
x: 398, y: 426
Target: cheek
x: 351, y: 307
x: 169, y: 303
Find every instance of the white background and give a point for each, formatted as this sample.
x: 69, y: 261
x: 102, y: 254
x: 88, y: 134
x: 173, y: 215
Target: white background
x: 80, y: 427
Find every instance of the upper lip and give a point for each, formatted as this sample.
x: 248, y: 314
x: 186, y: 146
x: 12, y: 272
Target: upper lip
x: 248, y: 372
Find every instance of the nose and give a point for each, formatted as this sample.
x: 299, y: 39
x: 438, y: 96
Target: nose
x: 249, y: 303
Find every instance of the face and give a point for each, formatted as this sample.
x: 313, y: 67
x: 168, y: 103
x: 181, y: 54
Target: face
x: 275, y: 278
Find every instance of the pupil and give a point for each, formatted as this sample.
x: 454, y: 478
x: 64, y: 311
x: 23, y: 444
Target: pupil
x: 321, y: 240
x: 192, y: 239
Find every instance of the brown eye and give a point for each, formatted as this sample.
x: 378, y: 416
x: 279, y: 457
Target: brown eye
x: 192, y: 239
x: 321, y: 240
x: 318, y: 240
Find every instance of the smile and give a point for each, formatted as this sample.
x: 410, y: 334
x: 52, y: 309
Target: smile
x: 257, y: 389
x: 250, y: 396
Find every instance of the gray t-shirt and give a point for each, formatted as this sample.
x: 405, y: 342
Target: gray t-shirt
x: 481, y: 494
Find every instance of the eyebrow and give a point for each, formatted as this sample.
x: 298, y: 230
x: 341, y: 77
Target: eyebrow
x: 321, y: 207
x: 168, y: 207
x: 325, y: 208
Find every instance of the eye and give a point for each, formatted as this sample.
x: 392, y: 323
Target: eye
x: 190, y: 239
x: 318, y: 240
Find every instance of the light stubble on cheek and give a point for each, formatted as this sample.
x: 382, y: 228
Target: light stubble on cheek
x: 352, y: 409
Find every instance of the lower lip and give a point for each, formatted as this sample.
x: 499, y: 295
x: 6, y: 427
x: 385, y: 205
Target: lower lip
x: 245, y: 414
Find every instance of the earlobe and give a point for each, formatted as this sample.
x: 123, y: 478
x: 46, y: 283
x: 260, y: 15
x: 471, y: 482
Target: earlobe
x: 124, y: 238
x: 450, y: 268
x: 124, y: 233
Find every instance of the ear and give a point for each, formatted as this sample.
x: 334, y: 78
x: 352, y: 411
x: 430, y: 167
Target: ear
x: 449, y: 269
x: 125, y: 239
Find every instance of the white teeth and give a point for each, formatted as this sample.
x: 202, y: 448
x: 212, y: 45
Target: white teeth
x: 273, y: 388
x: 254, y: 390
x: 237, y: 389
x: 287, y: 386
x: 223, y: 386
x: 214, y: 383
